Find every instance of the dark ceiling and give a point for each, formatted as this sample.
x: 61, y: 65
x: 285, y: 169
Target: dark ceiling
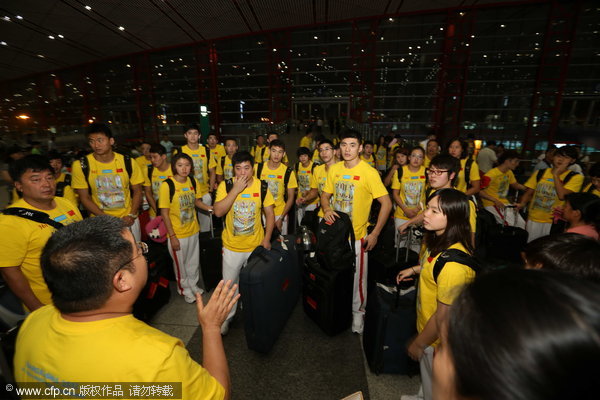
x: 46, y: 35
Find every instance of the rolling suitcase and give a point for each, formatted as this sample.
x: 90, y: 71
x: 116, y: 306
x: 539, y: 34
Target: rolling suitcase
x: 327, y: 296
x: 391, y: 317
x: 269, y: 288
x: 156, y: 293
x: 211, y: 258
x: 384, y: 264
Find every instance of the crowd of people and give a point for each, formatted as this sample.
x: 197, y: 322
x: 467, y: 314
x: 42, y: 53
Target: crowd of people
x: 514, y: 334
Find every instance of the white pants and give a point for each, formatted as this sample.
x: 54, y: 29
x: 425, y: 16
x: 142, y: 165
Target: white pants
x: 359, y: 296
x: 511, y: 216
x: 203, y: 216
x: 186, y: 263
x: 302, y: 211
x: 233, y: 261
x: 426, y: 367
x: 537, y: 229
x: 136, y: 231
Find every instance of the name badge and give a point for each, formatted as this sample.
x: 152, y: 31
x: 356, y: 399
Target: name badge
x: 246, y: 196
x: 107, y: 171
x: 271, y: 176
x: 185, y: 189
x: 60, y: 218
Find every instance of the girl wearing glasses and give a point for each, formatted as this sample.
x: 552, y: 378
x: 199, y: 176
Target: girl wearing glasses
x: 446, y: 220
x: 468, y: 178
x: 178, y: 198
x: 408, y: 188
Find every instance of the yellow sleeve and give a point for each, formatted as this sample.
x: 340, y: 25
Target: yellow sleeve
x: 292, y: 183
x: 212, y: 163
x: 328, y: 188
x: 14, y: 238
x: 395, y: 181
x: 451, y: 280
x: 221, y: 191
x: 199, y: 194
x: 375, y: 183
x: 137, y: 177
x: 219, y: 169
x: 474, y: 175
x: 532, y: 181
x: 69, y: 194
x: 77, y: 177
x: 269, y: 200
x: 164, y: 197
x: 511, y: 178
x: 575, y: 183
x: 472, y: 216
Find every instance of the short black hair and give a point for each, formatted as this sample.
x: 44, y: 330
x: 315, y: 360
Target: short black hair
x: 351, y: 134
x: 507, y: 155
x: 368, y: 142
x: 54, y: 155
x: 446, y: 161
x: 277, y: 143
x: 567, y: 151
x: 567, y: 252
x: 158, y: 149
x: 98, y: 127
x: 588, y: 205
x: 80, y: 260
x: 34, y: 162
x: 230, y: 138
x: 303, y: 151
x: 179, y: 156
x: 463, y: 146
x: 526, y: 335
x: 326, y: 141
x: 242, y: 156
x: 189, y: 127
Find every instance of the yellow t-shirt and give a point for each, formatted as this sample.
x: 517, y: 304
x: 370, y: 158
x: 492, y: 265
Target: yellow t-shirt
x: 110, y: 183
x: 411, y: 189
x: 218, y: 152
x: 182, y: 211
x: 143, y: 162
x: 450, y: 282
x: 426, y: 161
x: 123, y: 349
x: 353, y: 191
x: 225, y: 168
x: 370, y: 160
x: 380, y: 157
x: 390, y: 155
x: 22, y: 242
x: 275, y: 179
x: 316, y: 157
x: 317, y: 181
x: 306, y: 141
x: 304, y: 177
x: 268, y: 153
x: 595, y: 191
x: 158, y: 177
x: 498, y: 187
x: 257, y: 153
x: 461, y: 183
x: 545, y: 198
x: 243, y: 225
x: 203, y: 161
x: 68, y: 192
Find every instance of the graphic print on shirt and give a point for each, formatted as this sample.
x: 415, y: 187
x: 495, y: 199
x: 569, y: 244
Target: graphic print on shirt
x: 109, y: 189
x: 545, y: 195
x: 321, y: 184
x: 186, y: 206
x: 198, y: 170
x: 412, y: 193
x: 503, y: 187
x: 344, y: 195
x: 273, y: 186
x: 303, y: 181
x: 244, y: 216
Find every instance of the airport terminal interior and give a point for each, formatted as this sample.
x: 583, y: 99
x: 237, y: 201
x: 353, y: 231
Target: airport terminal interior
x: 523, y: 74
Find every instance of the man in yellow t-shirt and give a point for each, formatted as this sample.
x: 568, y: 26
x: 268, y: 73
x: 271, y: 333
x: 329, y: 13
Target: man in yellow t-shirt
x: 271, y: 137
x: 319, y: 175
x: 496, y: 183
x: 225, y: 165
x: 367, y: 153
x: 96, y: 271
x: 304, y: 171
x: 113, y: 182
x: 243, y: 200
x: 22, y: 239
x: 156, y: 174
x: 258, y: 151
x: 431, y: 151
x: 351, y: 187
x: 217, y: 150
x: 282, y: 183
x: 547, y: 190
x: 204, y: 169
x: 63, y: 180
x: 144, y: 160
x: 307, y: 140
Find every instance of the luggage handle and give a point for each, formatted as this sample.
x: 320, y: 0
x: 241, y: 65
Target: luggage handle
x: 409, y: 240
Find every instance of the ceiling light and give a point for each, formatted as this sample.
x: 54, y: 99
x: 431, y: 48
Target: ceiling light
x: 88, y: 8
x: 6, y: 18
x: 315, y: 37
x: 61, y: 36
x: 40, y: 56
x: 18, y: 17
x: 50, y: 37
x: 502, y: 26
x: 3, y: 43
x: 121, y: 28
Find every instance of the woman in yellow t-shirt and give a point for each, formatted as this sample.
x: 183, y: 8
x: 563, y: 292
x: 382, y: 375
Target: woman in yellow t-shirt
x: 467, y: 184
x: 446, y: 220
x: 400, y: 155
x: 178, y: 197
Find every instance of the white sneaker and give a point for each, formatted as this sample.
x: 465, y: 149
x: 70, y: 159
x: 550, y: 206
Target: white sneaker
x: 225, y: 327
x: 358, y: 323
x: 189, y: 298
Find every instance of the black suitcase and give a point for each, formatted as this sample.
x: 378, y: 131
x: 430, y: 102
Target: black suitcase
x: 385, y: 264
x: 211, y: 259
x: 390, y: 322
x: 156, y: 293
x: 269, y: 288
x: 327, y: 296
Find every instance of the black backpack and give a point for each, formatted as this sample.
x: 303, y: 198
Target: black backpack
x: 33, y: 215
x: 541, y: 172
x: 468, y: 166
x: 453, y: 255
x: 85, y: 168
x: 335, y: 243
x: 172, y: 186
x: 60, y: 186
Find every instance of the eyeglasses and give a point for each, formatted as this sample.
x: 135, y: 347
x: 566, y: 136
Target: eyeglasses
x: 436, y: 172
x: 142, y: 247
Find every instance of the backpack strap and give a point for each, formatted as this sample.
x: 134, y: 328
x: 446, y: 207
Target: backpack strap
x: 85, y: 168
x: 259, y: 169
x: 60, y: 186
x: 453, y: 255
x: 539, y: 175
x: 428, y: 192
x: 468, y: 166
x: 400, y: 173
x: 171, y: 188
x: 128, y: 165
x: 262, y: 153
x: 264, y: 186
x: 569, y: 176
x: 286, y: 180
x: 223, y: 164
x: 591, y: 188
x: 150, y: 171
x: 33, y: 215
